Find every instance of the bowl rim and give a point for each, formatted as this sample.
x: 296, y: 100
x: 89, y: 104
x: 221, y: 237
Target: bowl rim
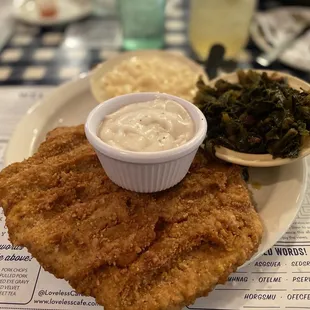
x: 258, y: 160
x: 269, y: 72
x: 96, y: 116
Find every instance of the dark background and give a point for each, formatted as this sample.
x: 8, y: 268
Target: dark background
x: 270, y: 3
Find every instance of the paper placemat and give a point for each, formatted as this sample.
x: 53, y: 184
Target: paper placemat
x: 280, y: 279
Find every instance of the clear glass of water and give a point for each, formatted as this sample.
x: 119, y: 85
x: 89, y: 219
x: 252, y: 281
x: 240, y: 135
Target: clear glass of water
x: 223, y: 22
x: 143, y: 23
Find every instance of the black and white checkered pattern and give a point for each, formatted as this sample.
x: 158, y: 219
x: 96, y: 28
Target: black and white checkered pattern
x: 36, y: 56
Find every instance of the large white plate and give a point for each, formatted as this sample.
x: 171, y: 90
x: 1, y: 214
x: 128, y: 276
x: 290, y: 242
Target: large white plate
x: 278, y: 200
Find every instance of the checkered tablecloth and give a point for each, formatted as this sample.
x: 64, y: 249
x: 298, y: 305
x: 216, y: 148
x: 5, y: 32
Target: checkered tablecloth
x: 34, y: 56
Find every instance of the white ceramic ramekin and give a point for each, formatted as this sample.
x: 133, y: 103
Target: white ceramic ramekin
x: 144, y: 172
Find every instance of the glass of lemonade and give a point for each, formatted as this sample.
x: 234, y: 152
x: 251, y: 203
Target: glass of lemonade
x: 223, y: 22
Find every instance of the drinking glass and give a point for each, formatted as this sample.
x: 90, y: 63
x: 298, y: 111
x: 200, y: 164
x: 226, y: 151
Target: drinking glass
x: 223, y: 22
x: 143, y: 23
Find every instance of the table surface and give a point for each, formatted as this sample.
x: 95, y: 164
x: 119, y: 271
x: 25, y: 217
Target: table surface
x: 33, y: 56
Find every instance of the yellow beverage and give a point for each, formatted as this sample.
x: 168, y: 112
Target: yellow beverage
x: 220, y: 21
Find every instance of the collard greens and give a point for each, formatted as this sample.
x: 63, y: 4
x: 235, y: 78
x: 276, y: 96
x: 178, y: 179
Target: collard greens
x: 258, y: 115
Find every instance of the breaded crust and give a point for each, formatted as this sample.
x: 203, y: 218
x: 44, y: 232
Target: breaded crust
x: 130, y: 251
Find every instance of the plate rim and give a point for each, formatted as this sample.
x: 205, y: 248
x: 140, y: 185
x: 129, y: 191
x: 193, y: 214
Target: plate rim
x: 26, y: 119
x: 301, y: 196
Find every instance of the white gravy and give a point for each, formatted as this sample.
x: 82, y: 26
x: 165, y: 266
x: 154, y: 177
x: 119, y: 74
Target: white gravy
x: 150, y: 126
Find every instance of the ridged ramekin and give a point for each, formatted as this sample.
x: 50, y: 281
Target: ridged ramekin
x: 144, y: 172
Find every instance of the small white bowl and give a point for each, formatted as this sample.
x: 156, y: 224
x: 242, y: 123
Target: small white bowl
x: 261, y: 160
x: 144, y: 172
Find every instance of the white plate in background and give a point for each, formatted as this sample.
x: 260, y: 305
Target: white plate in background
x: 270, y: 28
x: 68, y: 11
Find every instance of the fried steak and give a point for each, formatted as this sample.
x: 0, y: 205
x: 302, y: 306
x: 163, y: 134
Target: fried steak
x: 128, y: 250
